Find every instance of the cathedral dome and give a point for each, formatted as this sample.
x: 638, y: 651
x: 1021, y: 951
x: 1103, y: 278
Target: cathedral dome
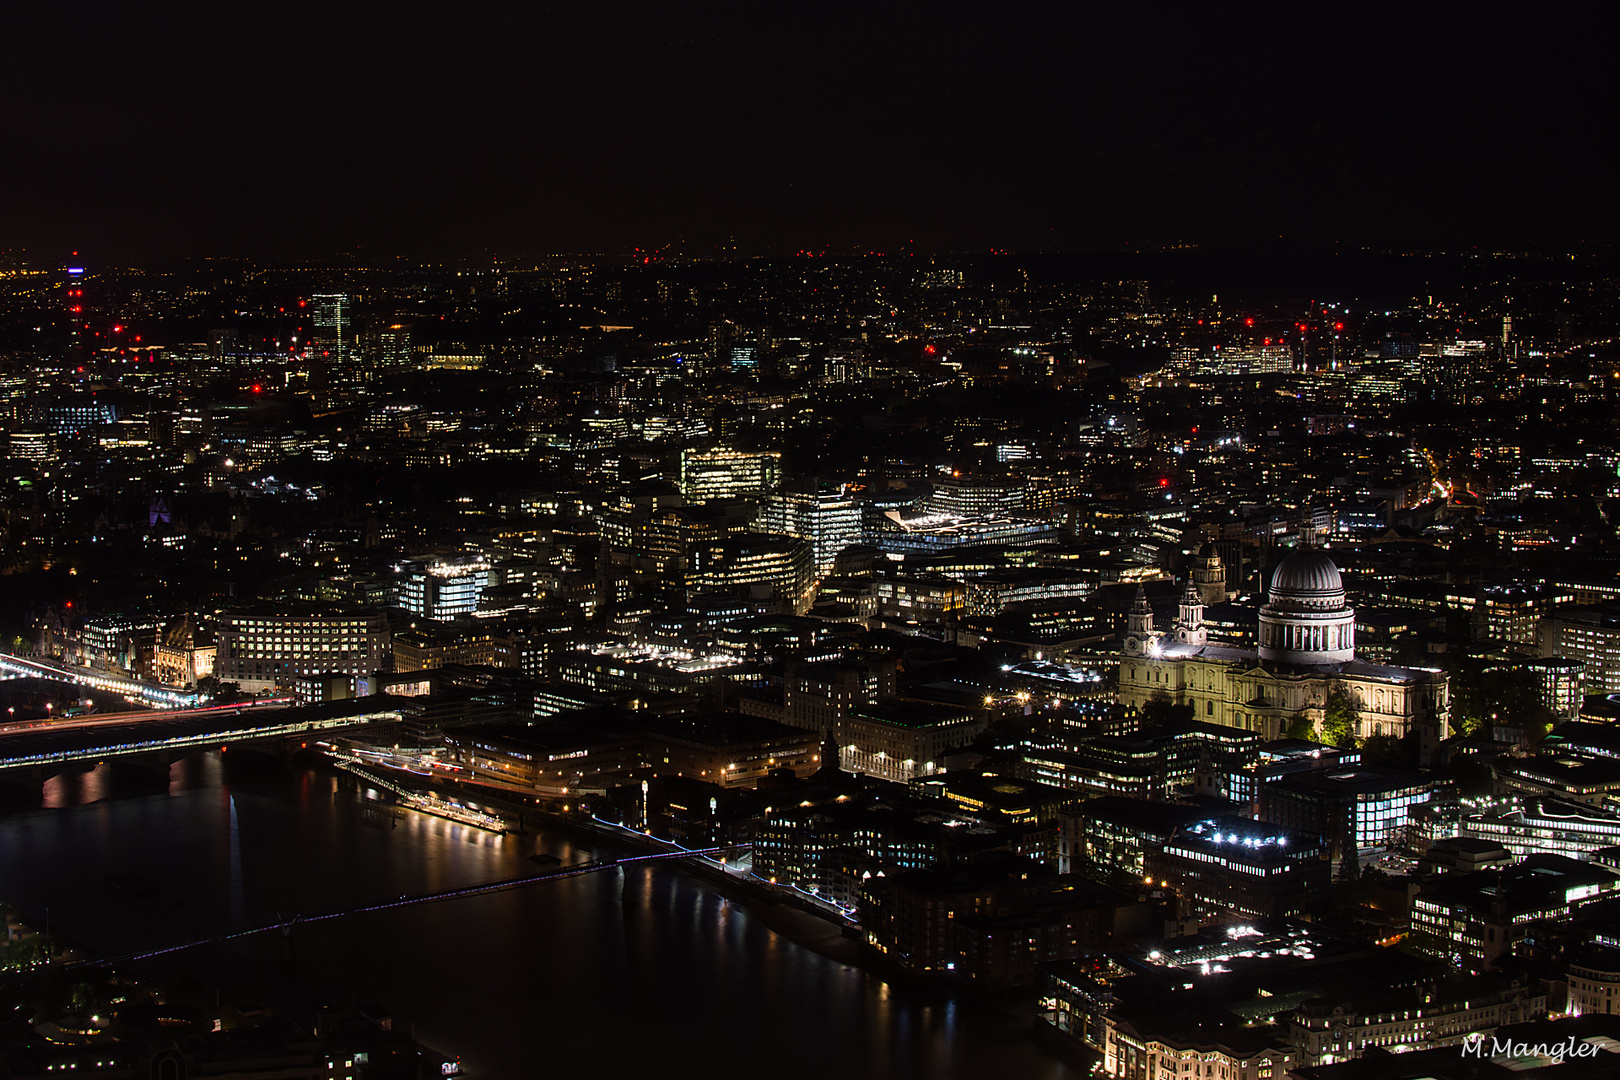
x: 1307, y: 579
x: 1305, y: 619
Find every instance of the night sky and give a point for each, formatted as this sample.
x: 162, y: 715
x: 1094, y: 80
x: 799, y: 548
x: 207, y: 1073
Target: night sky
x: 306, y: 129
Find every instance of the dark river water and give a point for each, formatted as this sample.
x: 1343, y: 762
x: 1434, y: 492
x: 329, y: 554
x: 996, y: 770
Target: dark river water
x: 642, y: 969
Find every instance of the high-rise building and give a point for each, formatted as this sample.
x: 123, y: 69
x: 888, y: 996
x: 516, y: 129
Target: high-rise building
x: 443, y: 588
x: 391, y: 348
x: 331, y: 322
x: 723, y: 473
x: 829, y: 519
x: 329, y: 366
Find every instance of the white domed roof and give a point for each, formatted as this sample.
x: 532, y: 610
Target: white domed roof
x: 1306, y: 575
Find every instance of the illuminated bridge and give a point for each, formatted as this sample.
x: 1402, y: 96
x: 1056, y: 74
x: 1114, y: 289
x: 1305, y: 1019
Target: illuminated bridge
x: 155, y: 694
x: 98, y: 738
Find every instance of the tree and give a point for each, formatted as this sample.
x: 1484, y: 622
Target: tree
x: 1160, y: 710
x: 1390, y: 750
x: 1300, y: 727
x: 1339, y: 718
x: 1485, y: 693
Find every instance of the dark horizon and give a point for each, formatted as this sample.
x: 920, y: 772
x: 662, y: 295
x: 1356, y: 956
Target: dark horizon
x: 272, y: 132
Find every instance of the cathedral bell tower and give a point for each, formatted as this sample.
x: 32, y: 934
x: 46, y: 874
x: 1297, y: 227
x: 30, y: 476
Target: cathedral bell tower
x: 1190, y: 628
x: 1139, y: 633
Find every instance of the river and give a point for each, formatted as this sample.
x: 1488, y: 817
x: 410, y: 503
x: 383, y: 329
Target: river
x: 640, y: 970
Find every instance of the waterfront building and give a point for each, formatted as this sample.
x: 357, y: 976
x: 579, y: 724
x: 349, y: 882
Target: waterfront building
x: 182, y: 655
x: 263, y: 648
x: 988, y: 923
x: 115, y: 642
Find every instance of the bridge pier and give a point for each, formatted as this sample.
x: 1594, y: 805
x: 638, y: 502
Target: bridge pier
x: 143, y: 770
x: 23, y: 787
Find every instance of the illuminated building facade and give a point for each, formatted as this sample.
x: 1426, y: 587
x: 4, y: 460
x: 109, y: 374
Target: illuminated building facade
x: 443, y: 588
x: 1305, y: 656
x: 331, y: 323
x: 1544, y: 823
x: 1472, y: 920
x: 1242, y: 866
x: 266, y: 649
x: 899, y: 741
x: 723, y: 473
x: 1355, y: 809
x: 828, y: 520
x: 749, y: 561
x: 1594, y: 982
x: 1590, y: 634
x: 989, y: 923
x: 1116, y: 834
x: 976, y: 497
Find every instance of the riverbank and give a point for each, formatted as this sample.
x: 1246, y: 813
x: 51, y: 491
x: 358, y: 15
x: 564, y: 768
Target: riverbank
x: 551, y: 970
x: 799, y: 920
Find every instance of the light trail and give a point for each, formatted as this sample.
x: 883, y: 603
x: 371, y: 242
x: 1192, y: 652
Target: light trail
x: 156, y: 694
x: 286, y: 925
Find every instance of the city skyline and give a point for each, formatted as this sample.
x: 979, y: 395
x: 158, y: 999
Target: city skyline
x: 913, y: 541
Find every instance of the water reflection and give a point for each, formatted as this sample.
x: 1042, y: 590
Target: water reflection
x: 639, y: 967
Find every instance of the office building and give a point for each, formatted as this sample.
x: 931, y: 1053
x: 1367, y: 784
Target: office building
x: 829, y: 520
x: 268, y: 648
x: 725, y: 473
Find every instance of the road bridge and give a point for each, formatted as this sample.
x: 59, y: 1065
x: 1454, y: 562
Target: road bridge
x: 128, y: 735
